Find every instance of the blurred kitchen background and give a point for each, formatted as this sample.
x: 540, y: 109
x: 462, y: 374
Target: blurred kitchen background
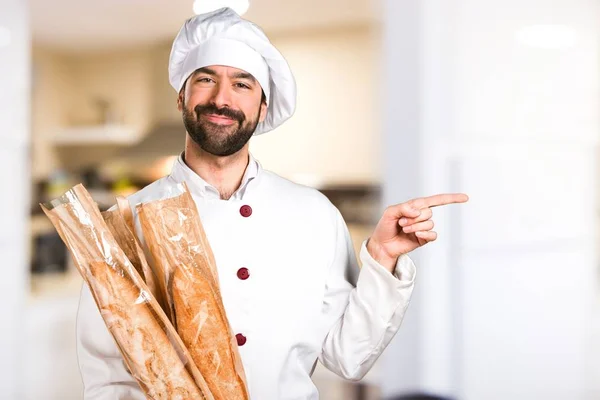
x: 396, y: 99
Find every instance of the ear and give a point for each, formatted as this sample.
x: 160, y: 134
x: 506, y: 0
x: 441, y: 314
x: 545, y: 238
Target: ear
x: 180, y: 99
x: 263, y: 111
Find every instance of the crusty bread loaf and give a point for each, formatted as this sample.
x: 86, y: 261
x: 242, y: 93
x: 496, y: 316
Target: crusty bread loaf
x: 116, y: 224
x: 151, y: 348
x: 137, y: 330
x: 180, y: 248
x: 204, y: 329
x: 149, y: 274
x: 120, y: 223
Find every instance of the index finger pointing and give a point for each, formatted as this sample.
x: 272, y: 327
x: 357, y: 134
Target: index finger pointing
x: 440, y: 200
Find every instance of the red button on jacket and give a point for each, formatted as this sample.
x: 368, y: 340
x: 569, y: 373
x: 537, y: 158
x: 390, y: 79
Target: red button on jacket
x: 243, y: 273
x: 241, y: 339
x: 246, y: 211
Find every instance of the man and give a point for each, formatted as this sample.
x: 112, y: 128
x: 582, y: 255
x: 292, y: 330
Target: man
x: 283, y: 251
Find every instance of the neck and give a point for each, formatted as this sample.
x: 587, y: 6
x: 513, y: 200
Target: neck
x: 224, y: 173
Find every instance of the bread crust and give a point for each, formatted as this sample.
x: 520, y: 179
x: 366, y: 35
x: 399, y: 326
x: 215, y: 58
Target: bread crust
x: 151, y: 348
x: 141, y: 337
x: 120, y: 224
x: 204, y: 329
x: 178, y: 243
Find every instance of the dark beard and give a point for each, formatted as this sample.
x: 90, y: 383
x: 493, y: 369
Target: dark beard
x: 214, y: 139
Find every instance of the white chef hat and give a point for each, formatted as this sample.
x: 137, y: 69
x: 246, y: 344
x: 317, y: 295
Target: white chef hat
x: 222, y: 37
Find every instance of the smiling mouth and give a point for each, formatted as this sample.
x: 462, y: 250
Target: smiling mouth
x: 219, y: 119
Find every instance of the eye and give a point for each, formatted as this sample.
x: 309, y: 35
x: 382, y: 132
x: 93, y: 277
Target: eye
x: 242, y: 85
x: 204, y: 79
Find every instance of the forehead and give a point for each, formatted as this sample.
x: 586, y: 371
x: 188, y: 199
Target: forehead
x: 223, y: 70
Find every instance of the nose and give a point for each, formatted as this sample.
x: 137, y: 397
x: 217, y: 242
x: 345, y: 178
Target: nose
x: 222, y: 96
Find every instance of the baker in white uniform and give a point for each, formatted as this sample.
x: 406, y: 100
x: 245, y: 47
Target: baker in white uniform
x: 283, y: 251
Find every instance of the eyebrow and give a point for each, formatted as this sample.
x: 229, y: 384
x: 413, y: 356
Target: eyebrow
x: 236, y: 75
x: 205, y: 70
x: 243, y: 75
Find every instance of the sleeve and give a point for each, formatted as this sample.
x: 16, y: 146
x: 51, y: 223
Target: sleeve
x: 102, y: 368
x: 363, y: 317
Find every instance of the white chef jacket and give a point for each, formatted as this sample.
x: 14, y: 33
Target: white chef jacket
x: 298, y: 303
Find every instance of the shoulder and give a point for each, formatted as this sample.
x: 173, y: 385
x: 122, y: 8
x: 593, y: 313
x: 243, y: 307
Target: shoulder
x: 285, y: 191
x: 154, y: 191
x: 285, y: 187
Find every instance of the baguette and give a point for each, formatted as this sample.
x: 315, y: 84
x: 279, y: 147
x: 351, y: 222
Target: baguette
x: 153, y: 352
x: 180, y: 248
x: 204, y: 329
x: 137, y: 329
x: 120, y: 223
x: 116, y: 224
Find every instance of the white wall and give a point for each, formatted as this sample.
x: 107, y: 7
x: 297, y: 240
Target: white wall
x: 504, y: 307
x: 14, y: 175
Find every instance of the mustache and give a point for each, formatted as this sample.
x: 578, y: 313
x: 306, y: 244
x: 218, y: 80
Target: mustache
x: 224, y: 112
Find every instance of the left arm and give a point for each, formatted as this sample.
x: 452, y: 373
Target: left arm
x: 367, y: 317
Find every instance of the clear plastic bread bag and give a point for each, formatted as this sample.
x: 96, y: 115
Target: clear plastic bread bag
x: 119, y: 220
x: 151, y: 348
x: 187, y: 272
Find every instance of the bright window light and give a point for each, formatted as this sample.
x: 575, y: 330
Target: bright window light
x: 4, y: 36
x: 204, y: 6
x: 547, y: 36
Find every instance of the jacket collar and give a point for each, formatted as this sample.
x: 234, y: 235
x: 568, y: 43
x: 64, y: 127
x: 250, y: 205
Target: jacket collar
x: 199, y: 187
